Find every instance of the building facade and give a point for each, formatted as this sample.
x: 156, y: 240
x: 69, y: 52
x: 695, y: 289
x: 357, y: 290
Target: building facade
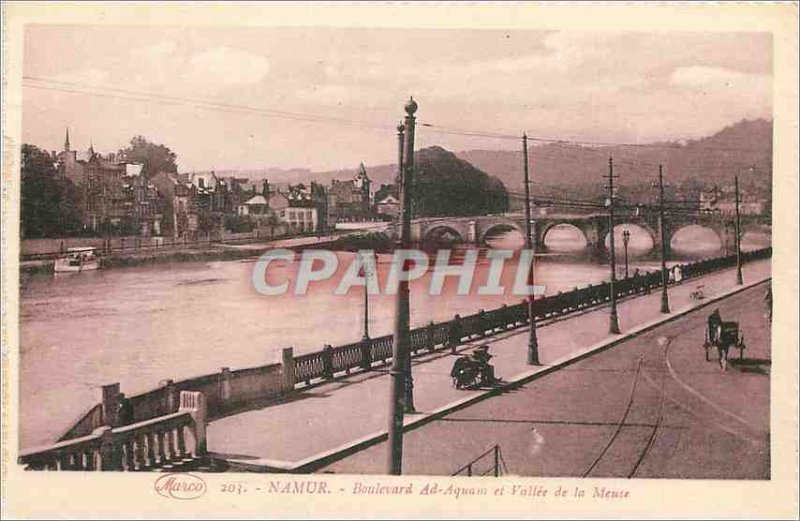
x: 116, y: 196
x: 349, y: 200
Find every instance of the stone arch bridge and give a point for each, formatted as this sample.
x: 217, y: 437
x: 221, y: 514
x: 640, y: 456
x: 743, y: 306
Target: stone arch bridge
x: 594, y: 226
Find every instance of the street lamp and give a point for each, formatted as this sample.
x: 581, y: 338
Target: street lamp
x: 366, y: 271
x: 728, y: 227
x: 401, y: 387
x: 626, y: 237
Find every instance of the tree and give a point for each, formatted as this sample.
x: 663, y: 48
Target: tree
x: 446, y: 185
x: 155, y: 157
x: 50, y: 207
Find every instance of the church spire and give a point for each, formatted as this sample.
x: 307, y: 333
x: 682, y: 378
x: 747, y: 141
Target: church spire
x: 66, y: 142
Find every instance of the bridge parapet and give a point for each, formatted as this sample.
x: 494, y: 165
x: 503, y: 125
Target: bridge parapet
x: 593, y: 226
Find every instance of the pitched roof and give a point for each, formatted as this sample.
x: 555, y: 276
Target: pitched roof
x: 257, y: 199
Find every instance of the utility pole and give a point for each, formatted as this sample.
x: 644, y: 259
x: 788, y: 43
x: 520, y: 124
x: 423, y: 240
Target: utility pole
x: 533, y: 342
x: 400, y: 391
x: 739, y: 280
x: 664, y: 244
x: 613, y: 326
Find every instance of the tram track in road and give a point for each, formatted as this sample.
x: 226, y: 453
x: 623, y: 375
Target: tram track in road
x: 662, y: 409
x: 621, y: 422
x: 669, y: 375
x: 642, y: 454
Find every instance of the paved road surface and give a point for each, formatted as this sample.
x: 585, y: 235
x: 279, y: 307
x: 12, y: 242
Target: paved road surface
x: 651, y: 407
x: 325, y: 417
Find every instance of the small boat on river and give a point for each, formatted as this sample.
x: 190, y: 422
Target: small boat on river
x: 78, y: 259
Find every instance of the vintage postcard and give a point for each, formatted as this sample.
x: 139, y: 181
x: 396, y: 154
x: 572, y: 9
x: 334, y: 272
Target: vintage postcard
x: 395, y: 260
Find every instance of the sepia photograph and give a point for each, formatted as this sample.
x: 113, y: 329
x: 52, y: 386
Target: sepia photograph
x: 500, y: 264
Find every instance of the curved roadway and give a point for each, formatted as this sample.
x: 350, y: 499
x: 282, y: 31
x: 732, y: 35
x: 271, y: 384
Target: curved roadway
x: 651, y: 407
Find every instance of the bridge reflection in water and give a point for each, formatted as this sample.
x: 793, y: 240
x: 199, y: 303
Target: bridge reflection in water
x: 691, y: 241
x: 593, y: 228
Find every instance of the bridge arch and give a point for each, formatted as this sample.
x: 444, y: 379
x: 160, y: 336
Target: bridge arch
x: 638, y: 245
x: 436, y: 232
x: 492, y: 228
x: 544, y: 230
x: 703, y: 232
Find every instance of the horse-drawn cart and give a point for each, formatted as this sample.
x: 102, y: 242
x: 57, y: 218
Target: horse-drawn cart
x: 727, y: 335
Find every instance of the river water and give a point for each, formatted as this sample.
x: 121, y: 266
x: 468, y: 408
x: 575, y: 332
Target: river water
x: 140, y: 325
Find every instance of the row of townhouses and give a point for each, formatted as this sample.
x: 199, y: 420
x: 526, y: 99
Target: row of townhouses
x: 117, y: 195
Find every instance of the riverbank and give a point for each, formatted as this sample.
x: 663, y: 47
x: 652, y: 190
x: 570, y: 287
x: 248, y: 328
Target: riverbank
x: 213, y: 251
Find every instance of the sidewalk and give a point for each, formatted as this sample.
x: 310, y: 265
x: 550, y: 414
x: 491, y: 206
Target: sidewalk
x: 329, y: 416
x: 586, y: 419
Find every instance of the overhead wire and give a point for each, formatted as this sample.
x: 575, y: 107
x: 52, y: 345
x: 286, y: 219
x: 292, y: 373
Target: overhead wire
x: 129, y: 94
x: 579, y: 146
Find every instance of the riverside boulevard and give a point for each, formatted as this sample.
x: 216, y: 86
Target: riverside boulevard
x: 327, y: 422
x: 684, y: 418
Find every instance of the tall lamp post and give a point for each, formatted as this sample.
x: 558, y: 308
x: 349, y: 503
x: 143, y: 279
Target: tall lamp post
x: 613, y: 324
x: 626, y: 238
x: 367, y: 272
x: 400, y: 372
x: 727, y: 245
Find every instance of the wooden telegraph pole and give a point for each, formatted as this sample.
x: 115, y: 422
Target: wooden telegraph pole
x: 613, y: 325
x: 664, y: 243
x: 533, y: 342
x: 738, y: 231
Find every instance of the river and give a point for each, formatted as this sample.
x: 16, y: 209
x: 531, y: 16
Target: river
x: 140, y: 325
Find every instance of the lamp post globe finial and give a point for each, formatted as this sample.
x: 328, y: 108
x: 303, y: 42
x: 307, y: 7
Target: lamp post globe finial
x: 411, y: 106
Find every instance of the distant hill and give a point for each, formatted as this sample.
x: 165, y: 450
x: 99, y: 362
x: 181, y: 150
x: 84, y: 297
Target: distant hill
x: 568, y: 168
x: 711, y: 160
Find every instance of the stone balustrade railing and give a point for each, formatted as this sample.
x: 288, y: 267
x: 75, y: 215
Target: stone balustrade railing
x: 145, y: 445
x: 228, y: 390
x: 151, y: 444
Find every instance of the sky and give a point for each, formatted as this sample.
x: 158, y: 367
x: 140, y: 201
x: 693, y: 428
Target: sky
x: 350, y: 86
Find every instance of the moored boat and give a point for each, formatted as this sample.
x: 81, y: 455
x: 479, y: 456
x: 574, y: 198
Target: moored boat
x: 77, y: 259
